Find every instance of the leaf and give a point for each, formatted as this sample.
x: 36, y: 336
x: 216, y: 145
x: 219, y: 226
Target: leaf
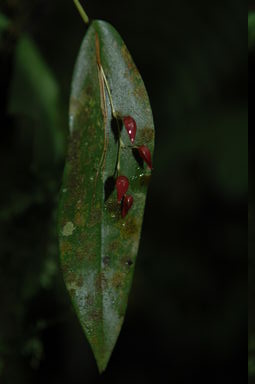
x: 251, y: 30
x: 34, y: 93
x: 98, y: 248
x: 4, y: 22
x: 4, y: 25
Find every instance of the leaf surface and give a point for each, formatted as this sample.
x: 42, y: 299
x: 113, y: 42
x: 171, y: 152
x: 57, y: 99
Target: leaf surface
x: 34, y: 93
x: 98, y: 248
x: 4, y: 22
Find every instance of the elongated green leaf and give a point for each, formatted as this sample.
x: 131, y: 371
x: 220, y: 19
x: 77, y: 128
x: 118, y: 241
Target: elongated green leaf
x: 98, y: 247
x: 34, y: 93
x: 251, y: 30
x: 4, y: 22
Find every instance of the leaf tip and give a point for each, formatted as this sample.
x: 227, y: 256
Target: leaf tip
x: 102, y: 362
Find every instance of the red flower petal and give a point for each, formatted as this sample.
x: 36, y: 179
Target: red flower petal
x: 122, y: 185
x: 145, y: 155
x: 127, y: 205
x: 131, y: 127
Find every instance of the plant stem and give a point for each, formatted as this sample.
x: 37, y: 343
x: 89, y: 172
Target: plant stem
x: 109, y: 93
x: 115, y: 116
x: 119, y: 149
x: 82, y: 12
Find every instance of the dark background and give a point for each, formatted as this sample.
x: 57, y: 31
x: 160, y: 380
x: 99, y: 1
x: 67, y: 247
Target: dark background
x: 186, y: 318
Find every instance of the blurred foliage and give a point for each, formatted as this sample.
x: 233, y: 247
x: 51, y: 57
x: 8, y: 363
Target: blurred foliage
x: 251, y: 30
x: 34, y: 93
x: 251, y: 211
x: 251, y: 286
x: 187, y: 305
x: 4, y: 22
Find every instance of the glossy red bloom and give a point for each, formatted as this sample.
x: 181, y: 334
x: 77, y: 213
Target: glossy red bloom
x: 131, y: 127
x: 145, y: 155
x: 122, y: 185
x: 127, y: 205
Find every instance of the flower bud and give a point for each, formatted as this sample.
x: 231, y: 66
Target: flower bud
x: 145, y: 155
x: 122, y: 185
x: 127, y: 204
x: 130, y: 126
